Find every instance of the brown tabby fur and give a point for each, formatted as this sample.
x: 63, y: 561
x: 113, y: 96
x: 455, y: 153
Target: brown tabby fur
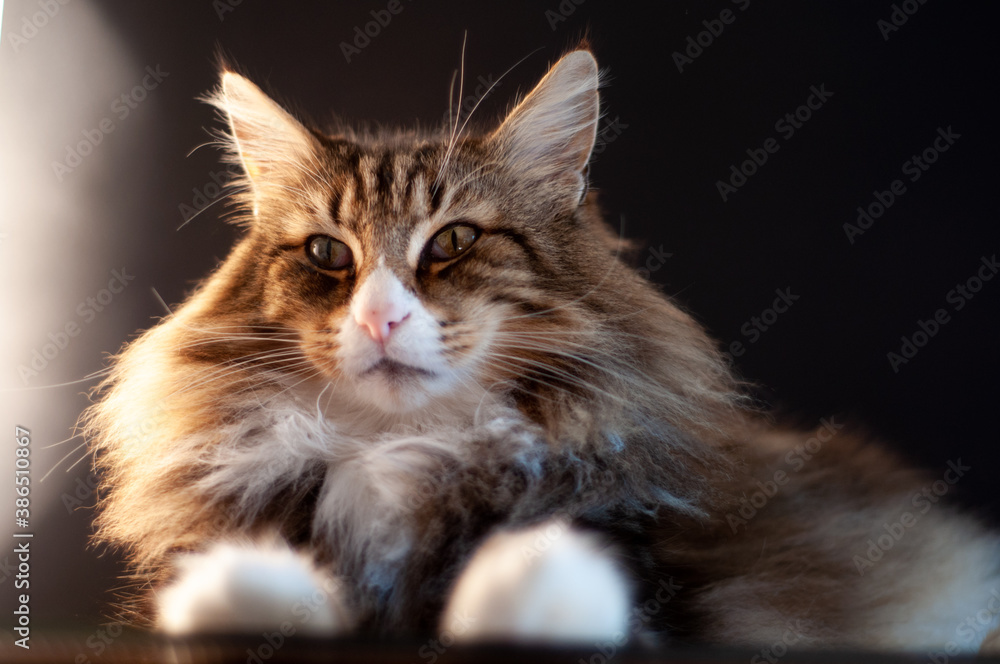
x: 638, y: 428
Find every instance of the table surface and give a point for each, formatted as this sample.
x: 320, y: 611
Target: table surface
x: 142, y: 648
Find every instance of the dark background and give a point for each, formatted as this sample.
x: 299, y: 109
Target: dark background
x: 679, y: 134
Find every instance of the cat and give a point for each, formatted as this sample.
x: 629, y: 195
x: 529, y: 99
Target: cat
x: 425, y: 394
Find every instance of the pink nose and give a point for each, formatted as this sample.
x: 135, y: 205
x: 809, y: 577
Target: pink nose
x: 380, y: 321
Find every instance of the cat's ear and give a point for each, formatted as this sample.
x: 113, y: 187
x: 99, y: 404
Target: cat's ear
x: 550, y: 134
x: 264, y: 138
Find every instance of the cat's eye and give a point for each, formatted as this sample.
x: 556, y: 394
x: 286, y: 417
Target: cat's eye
x: 327, y: 253
x: 452, y: 242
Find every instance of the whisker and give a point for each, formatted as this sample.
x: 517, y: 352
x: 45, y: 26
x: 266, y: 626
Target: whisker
x: 61, y: 442
x: 68, y: 455
x: 535, y: 379
x: 469, y: 176
x: 236, y: 368
x: 222, y: 339
x: 571, y: 356
x: 77, y: 462
x: 453, y: 141
x: 233, y: 189
x: 556, y: 373
x: 451, y: 92
x: 315, y: 372
x: 458, y: 111
x: 85, y: 379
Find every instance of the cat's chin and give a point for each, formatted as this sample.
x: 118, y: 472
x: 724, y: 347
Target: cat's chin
x: 393, y: 387
x: 394, y: 399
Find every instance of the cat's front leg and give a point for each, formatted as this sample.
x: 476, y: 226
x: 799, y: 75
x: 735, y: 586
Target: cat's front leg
x: 549, y: 583
x: 247, y: 588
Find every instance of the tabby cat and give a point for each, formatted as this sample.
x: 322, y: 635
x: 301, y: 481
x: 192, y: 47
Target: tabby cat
x: 424, y: 394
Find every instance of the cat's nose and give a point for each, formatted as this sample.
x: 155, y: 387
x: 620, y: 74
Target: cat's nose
x: 379, y: 321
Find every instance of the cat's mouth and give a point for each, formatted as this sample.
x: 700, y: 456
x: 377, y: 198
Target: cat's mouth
x: 394, y: 370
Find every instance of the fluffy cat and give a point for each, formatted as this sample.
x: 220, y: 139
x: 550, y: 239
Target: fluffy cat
x: 423, y: 393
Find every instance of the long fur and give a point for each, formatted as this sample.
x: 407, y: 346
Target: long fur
x: 567, y: 387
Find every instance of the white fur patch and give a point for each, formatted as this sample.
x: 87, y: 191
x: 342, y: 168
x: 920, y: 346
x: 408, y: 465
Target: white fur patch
x: 957, y: 602
x: 413, y: 341
x: 549, y: 583
x: 367, y: 500
x: 235, y: 588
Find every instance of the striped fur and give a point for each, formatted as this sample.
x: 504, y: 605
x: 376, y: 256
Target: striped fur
x: 544, y: 379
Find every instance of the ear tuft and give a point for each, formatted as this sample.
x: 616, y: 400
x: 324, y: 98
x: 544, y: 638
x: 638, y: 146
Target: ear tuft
x: 551, y: 133
x: 263, y: 137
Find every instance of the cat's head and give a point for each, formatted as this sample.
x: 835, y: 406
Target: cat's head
x: 399, y: 269
x: 416, y: 265
x: 396, y: 281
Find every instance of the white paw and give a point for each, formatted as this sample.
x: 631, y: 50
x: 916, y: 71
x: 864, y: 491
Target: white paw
x: 549, y: 583
x: 246, y: 588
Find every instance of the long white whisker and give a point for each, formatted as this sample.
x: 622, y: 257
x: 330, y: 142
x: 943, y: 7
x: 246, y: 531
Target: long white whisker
x: 77, y: 462
x: 232, y: 191
x: 68, y: 455
x: 535, y: 379
x: 568, y: 355
x: 453, y: 141
x: 555, y: 373
x: 61, y: 442
x: 237, y: 368
x: 85, y: 379
x: 222, y: 339
x: 458, y: 111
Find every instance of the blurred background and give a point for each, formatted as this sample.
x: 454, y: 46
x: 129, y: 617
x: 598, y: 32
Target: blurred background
x: 105, y: 198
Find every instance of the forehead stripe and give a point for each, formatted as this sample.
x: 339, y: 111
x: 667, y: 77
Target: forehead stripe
x: 435, y: 194
x: 384, y: 176
x: 336, y: 201
x: 354, y: 165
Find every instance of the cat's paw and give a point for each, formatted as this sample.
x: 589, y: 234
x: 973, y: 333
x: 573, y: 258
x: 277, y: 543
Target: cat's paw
x: 549, y: 583
x: 246, y: 588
